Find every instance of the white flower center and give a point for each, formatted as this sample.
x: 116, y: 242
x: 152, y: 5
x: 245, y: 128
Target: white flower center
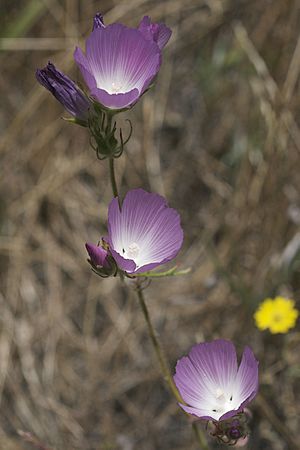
x: 116, y: 87
x: 223, y: 402
x: 220, y: 396
x: 132, y: 251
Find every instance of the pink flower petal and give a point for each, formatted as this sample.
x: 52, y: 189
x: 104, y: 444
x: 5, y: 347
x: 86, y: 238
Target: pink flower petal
x: 247, y: 376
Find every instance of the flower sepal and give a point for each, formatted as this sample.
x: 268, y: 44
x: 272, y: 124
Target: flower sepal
x: 103, y: 134
x: 104, y: 272
x: 231, y: 431
x: 173, y: 272
x: 76, y: 121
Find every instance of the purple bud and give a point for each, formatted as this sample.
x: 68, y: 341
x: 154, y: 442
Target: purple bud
x: 157, y: 32
x: 235, y: 433
x: 235, y: 423
x: 65, y: 91
x: 98, y: 256
x: 98, y: 21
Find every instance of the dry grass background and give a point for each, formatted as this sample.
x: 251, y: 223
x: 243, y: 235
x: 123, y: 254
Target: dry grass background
x: 219, y: 136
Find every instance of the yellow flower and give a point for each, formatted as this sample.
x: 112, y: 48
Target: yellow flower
x: 278, y: 315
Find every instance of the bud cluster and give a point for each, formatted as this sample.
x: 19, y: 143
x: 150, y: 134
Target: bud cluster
x: 232, y: 431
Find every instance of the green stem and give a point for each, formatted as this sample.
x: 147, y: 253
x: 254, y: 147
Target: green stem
x: 168, y: 273
x: 158, y: 350
x: 113, y: 177
x: 200, y: 437
x: 164, y: 366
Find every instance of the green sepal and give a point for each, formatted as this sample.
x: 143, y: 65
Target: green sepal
x: 173, y: 272
x: 76, y: 121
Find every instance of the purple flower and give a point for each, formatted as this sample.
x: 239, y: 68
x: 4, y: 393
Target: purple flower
x: 97, y: 254
x: 145, y: 233
x: 120, y: 62
x: 210, y: 382
x: 65, y: 91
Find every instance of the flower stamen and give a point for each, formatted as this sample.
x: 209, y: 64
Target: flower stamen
x: 116, y: 87
x: 132, y: 251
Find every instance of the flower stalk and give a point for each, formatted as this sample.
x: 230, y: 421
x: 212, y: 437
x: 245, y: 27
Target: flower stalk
x: 113, y: 177
x: 156, y: 345
x: 199, y: 435
x: 173, y: 272
x: 112, y: 174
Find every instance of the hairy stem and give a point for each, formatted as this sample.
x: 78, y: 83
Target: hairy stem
x: 157, y: 347
x: 113, y: 177
x: 164, y: 365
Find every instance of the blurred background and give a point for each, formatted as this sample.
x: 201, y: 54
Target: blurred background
x: 219, y: 136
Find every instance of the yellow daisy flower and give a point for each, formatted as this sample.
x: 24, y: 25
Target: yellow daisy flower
x: 278, y: 315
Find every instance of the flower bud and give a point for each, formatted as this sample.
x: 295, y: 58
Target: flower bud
x: 65, y: 91
x: 157, y: 32
x: 233, y: 431
x: 97, y: 254
x: 98, y: 21
x: 100, y: 260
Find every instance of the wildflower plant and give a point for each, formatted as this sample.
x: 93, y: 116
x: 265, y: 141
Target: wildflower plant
x: 119, y: 65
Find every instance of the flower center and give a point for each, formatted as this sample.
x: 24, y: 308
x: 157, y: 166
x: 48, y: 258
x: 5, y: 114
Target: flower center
x: 277, y: 317
x: 220, y: 396
x: 132, y: 251
x: 223, y: 402
x: 116, y: 87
